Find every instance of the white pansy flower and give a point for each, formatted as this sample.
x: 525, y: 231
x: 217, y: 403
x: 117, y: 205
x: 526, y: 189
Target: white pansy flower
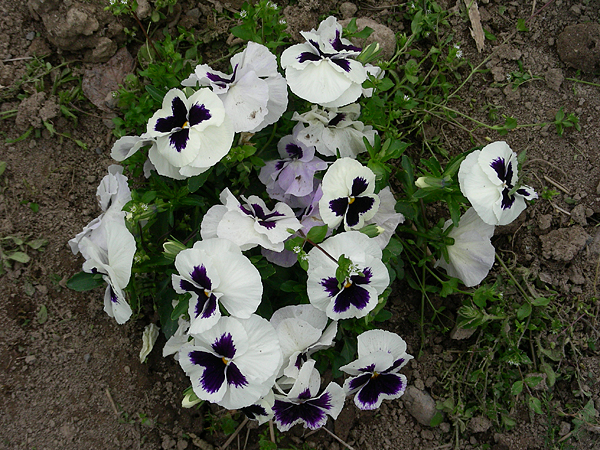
x: 472, y: 255
x: 487, y: 177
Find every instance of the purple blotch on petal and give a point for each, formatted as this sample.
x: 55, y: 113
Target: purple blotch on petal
x: 300, y: 359
x: 177, y: 120
x: 360, y: 206
x: 235, y: 377
x: 304, y: 395
x: 254, y: 411
x: 213, y: 376
x: 198, y: 113
x: 507, y: 199
x: 179, y: 139
x: 336, y: 120
x: 294, y: 150
x: 308, y: 56
x: 224, y: 346
x: 357, y: 382
x: 389, y: 384
x: 359, y: 185
x: 353, y: 295
x: 523, y: 192
x: 113, y: 296
x: 338, y: 45
x: 343, y: 63
x: 200, y: 277
x: 339, y: 206
x: 210, y: 306
x: 331, y: 286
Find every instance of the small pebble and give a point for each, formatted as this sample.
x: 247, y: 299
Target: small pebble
x: 30, y: 36
x: 87, y: 357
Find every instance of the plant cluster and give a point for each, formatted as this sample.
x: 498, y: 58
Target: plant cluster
x: 270, y: 222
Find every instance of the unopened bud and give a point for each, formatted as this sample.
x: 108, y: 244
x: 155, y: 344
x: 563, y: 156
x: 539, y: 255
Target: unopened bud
x: 172, y: 248
x: 372, y: 230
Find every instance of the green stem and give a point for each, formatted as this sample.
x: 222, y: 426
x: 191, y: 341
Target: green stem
x: 517, y: 284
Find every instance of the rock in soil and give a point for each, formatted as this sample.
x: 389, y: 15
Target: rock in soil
x: 419, y: 404
x: 579, y: 46
x: 564, y: 244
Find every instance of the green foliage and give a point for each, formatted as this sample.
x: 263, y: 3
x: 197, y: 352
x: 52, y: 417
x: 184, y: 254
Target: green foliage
x: 261, y: 22
x: 16, y: 249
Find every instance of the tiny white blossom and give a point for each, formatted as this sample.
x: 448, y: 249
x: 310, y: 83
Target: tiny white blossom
x: 459, y: 54
x: 297, y: 249
x: 243, y: 13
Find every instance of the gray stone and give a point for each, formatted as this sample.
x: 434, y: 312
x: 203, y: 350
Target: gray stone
x: 348, y: 9
x: 554, y: 78
x: 479, y: 424
x: 578, y: 215
x: 564, y: 244
x: 381, y: 34
x: 578, y: 46
x: 419, y: 404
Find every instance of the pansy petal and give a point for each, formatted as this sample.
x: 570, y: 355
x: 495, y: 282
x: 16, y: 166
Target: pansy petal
x: 380, y: 387
x: 318, y: 82
x: 246, y: 102
x: 478, y: 188
x: 373, y: 341
x: 498, y: 160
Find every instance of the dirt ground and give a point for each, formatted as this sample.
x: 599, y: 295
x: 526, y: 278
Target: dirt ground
x: 72, y: 379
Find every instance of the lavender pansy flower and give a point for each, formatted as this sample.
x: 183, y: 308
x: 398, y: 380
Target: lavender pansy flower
x: 249, y: 224
x: 293, y: 174
x: 366, y: 279
x: 215, y: 271
x: 323, y: 69
x: 304, y: 405
x: 487, y: 177
x: 302, y: 331
x: 374, y: 377
x: 348, y: 194
x: 190, y: 134
x: 254, y: 95
x: 234, y: 363
x: 334, y: 130
x: 472, y: 255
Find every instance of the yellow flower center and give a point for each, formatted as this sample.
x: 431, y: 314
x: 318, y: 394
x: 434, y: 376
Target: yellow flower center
x: 347, y: 284
x: 351, y: 200
x: 186, y: 124
x: 225, y: 360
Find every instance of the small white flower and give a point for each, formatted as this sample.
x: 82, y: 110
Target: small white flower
x: 297, y: 249
x: 406, y: 97
x: 472, y: 255
x: 487, y: 177
x: 243, y: 13
x: 459, y: 54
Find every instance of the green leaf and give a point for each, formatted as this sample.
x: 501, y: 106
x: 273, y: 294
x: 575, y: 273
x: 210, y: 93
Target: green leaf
x: 2, y: 167
x: 385, y: 85
x: 181, y: 307
x: 343, y: 270
x: 516, y: 388
x: 522, y: 25
x: 550, y: 374
x: 489, y: 36
x: 84, y: 281
x: 437, y: 419
x: 37, y: 243
x: 533, y: 381
x: 42, y: 315
x: 196, y: 182
x: 155, y: 93
x: 524, y: 311
x: 449, y: 287
x: 535, y: 405
x: 245, y: 32
x: 20, y: 257
x: 540, y: 301
x: 317, y: 234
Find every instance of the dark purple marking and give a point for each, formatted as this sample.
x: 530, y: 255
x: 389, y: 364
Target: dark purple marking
x: 342, y: 62
x: 339, y: 206
x: 338, y: 45
x: 353, y: 295
x: 209, y: 307
x: 254, y: 411
x: 311, y: 412
x: 113, y: 296
x: 200, y: 277
x: 523, y: 192
x: 396, y: 364
x: 179, y: 139
x: 224, y: 346
x: 336, y: 120
x: 198, y: 114
x: 213, y: 375
x: 380, y: 384
x: 359, y: 185
x: 507, y: 199
x: 235, y: 377
x: 179, y: 117
x: 331, y: 286
x: 304, y: 395
x: 360, y: 206
x: 294, y: 151
x: 359, y: 381
x: 300, y: 359
x: 308, y: 56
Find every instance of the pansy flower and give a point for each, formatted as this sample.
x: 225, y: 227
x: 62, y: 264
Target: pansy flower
x: 234, y: 363
x: 323, y: 69
x: 487, y: 178
x: 294, y: 173
x: 366, y: 277
x: 348, y: 194
x: 249, y: 224
x: 304, y: 405
x: 472, y: 255
x: 335, y: 130
x: 191, y: 134
x: 215, y: 271
x: 386, y: 218
x: 254, y: 95
x: 109, y: 250
x: 302, y: 331
x: 261, y: 410
x: 374, y: 377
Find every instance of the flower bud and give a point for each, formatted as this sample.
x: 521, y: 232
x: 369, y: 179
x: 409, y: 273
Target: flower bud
x: 372, y: 230
x: 172, y: 248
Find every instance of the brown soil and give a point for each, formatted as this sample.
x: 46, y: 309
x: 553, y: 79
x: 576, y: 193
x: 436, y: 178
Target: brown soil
x: 74, y: 381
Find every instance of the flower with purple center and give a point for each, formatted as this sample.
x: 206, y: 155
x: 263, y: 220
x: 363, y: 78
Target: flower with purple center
x: 335, y: 130
x: 488, y: 177
x: 254, y: 95
x: 323, y: 69
x: 234, y: 363
x: 302, y: 331
x: 294, y: 173
x: 304, y: 405
x: 348, y: 194
x: 472, y: 255
x: 188, y: 135
x: 365, y: 279
x: 374, y: 377
x: 215, y: 271
x: 249, y: 224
